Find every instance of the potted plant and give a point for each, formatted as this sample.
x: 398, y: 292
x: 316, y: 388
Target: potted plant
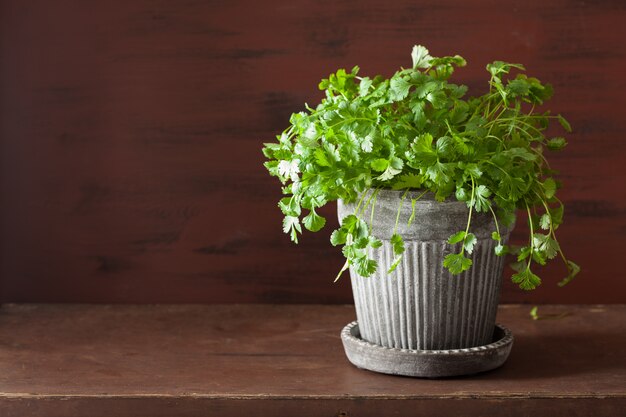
x: 428, y: 183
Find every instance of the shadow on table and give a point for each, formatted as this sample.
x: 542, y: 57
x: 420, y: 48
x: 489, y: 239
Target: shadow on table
x: 553, y: 356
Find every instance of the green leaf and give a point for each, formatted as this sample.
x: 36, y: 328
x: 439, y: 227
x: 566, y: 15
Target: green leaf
x: 564, y: 123
x: 481, y: 198
x: 556, y: 144
x: 289, y: 206
x: 462, y: 194
x: 549, y: 188
x: 364, y: 86
x: 398, y: 244
x: 379, y: 164
x: 338, y: 237
x: 423, y: 150
x: 365, y: 267
x: 520, y: 153
x: 457, y: 263
x: 291, y: 225
x: 546, y: 245
x: 407, y: 181
x: 556, y: 215
x: 457, y: 237
x: 533, y: 313
x: 321, y: 158
x: 500, y: 250
x: 469, y: 242
x: 526, y: 279
x: 394, y: 168
x: 518, y: 87
x: 445, y: 147
x: 313, y: 221
x: 375, y: 243
x: 420, y: 57
x: 506, y: 217
x: 572, y: 271
x: 544, y: 221
x: 395, y: 264
x: 524, y: 253
x: 495, y: 236
x: 437, y: 98
x: 441, y: 173
x: 398, y: 88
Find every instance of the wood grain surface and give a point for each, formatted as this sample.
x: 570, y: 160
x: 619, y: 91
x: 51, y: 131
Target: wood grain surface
x: 269, y: 360
x: 131, y: 133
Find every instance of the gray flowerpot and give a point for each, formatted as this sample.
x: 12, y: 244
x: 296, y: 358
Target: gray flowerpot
x: 421, y: 305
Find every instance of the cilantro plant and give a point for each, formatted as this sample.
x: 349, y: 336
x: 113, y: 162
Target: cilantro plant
x: 417, y: 131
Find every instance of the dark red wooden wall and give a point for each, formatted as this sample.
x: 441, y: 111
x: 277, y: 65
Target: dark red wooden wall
x: 131, y: 133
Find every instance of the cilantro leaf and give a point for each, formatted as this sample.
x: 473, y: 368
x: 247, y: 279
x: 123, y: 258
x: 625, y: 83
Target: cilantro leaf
x: 398, y: 88
x: 365, y: 267
x: 313, y: 221
x: 398, y: 244
x: 545, y: 221
x: 291, y: 225
x: 526, y: 279
x: 500, y: 250
x: 481, y: 198
x: 469, y: 242
x: 420, y: 57
x: 549, y: 188
x: 564, y: 123
x: 546, y: 245
x: 556, y: 144
x: 572, y: 271
x: 338, y: 237
x: 457, y: 263
x: 393, y: 169
x: 457, y: 237
x: 408, y: 181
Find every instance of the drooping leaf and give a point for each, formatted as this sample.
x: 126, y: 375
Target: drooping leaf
x: 457, y: 237
x: 469, y: 242
x: 457, y: 263
x: 313, y: 221
x: 556, y: 144
x: 398, y: 244
x: 549, y: 188
x: 481, y: 198
x: 526, y: 279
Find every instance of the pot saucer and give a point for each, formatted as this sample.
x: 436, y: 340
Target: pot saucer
x: 426, y: 363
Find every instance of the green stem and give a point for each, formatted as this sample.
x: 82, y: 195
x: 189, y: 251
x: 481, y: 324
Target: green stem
x: 552, y: 232
x: 373, y: 207
x: 413, y: 201
x: 532, y: 236
x: 395, y: 227
x: 356, y: 210
x: 469, y: 217
x: 495, y: 219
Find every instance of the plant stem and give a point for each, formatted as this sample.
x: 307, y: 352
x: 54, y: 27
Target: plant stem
x: 532, y: 237
x: 395, y: 227
x: 469, y: 217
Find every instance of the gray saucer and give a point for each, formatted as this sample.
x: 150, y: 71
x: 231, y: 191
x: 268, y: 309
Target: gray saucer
x: 426, y: 363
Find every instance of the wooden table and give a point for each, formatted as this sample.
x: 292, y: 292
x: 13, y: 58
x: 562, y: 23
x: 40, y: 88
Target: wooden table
x: 287, y: 360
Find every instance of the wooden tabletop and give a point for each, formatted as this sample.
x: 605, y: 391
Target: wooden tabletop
x: 256, y: 360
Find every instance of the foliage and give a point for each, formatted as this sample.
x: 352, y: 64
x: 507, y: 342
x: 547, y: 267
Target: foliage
x: 416, y: 130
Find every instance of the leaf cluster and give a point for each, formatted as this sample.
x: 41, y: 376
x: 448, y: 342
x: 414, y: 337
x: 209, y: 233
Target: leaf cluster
x: 417, y: 131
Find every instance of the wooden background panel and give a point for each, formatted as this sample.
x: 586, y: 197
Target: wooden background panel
x: 131, y: 132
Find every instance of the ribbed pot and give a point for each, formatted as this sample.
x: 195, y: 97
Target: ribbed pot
x: 421, y: 305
